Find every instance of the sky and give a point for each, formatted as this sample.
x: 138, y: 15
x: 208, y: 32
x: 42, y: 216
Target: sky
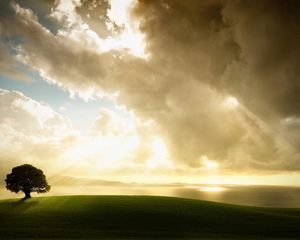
x: 152, y: 91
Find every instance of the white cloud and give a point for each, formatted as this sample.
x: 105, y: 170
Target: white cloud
x: 197, y: 60
x: 31, y: 132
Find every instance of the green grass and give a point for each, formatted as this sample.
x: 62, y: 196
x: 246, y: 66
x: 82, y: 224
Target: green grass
x: 142, y: 217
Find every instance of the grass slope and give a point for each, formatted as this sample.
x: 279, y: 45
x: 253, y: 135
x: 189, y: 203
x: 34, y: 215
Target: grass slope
x: 142, y: 217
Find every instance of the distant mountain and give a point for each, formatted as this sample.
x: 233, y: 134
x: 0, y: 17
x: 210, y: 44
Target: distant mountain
x: 59, y: 180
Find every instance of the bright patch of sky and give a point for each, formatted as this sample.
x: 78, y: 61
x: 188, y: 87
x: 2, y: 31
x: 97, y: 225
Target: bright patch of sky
x: 81, y: 113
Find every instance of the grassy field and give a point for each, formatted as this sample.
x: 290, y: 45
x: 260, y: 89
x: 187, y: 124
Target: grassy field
x: 142, y: 217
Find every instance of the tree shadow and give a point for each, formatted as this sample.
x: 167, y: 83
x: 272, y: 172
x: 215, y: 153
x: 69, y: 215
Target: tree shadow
x: 21, y: 205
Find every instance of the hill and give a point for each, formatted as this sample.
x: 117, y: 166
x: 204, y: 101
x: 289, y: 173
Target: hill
x: 142, y: 217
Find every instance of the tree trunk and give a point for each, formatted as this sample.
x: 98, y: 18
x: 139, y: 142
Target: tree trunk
x: 27, y: 194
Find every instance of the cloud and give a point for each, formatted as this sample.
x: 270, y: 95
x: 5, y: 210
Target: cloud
x: 200, y: 53
x: 269, y: 55
x: 9, y: 66
x: 29, y: 116
x: 32, y: 132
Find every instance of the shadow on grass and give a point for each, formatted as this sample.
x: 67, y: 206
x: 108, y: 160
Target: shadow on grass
x: 18, y: 206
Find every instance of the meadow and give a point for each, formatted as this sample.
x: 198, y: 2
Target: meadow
x: 142, y: 217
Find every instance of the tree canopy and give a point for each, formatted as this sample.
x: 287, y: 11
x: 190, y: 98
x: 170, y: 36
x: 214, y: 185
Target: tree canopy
x: 27, y: 178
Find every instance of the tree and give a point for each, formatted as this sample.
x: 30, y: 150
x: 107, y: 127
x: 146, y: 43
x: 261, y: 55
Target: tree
x: 28, y: 179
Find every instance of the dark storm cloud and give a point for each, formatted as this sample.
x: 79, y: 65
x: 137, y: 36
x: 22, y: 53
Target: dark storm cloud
x: 248, y: 49
x: 268, y: 34
x: 254, y: 44
x: 201, y: 52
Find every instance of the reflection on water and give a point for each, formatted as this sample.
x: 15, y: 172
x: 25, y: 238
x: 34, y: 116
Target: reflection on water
x: 212, y: 189
x: 266, y: 196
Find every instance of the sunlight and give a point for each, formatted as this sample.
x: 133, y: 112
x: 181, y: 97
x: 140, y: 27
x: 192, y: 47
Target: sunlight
x: 129, y: 38
x: 119, y: 11
x: 159, y: 147
x: 209, y: 164
x: 159, y: 156
x: 102, y: 152
x: 212, y: 189
x: 124, y: 31
x: 231, y: 103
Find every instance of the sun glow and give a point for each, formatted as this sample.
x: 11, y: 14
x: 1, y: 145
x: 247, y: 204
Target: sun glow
x: 208, y: 164
x: 231, y: 103
x: 130, y: 38
x: 101, y: 152
x: 212, y: 189
x: 207, y: 188
x: 124, y: 36
x: 159, y: 156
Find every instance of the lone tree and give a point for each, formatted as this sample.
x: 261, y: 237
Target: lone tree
x: 27, y: 178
